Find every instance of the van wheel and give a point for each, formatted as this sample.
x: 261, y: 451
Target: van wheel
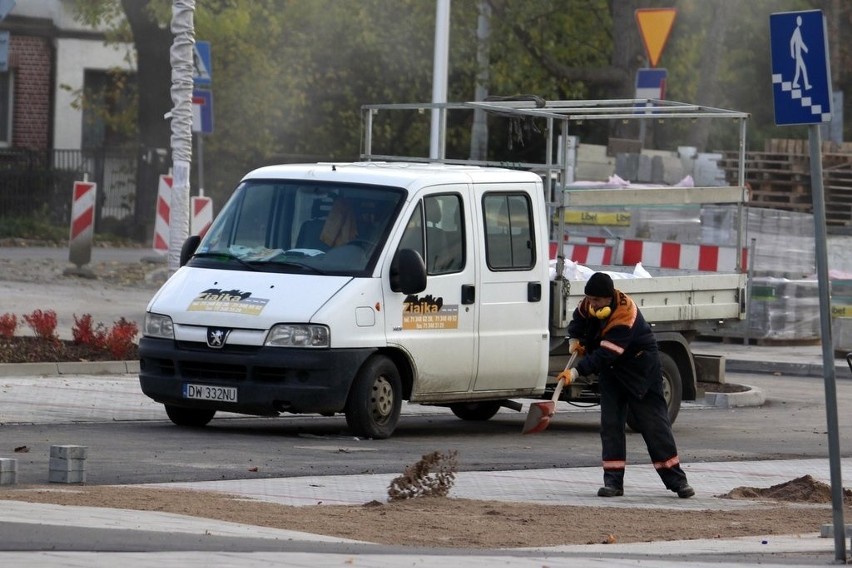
x: 476, y: 411
x: 195, y: 417
x: 672, y: 390
x: 375, y: 400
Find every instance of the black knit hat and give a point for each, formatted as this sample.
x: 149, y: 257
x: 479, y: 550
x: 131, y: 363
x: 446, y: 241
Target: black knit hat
x: 600, y: 285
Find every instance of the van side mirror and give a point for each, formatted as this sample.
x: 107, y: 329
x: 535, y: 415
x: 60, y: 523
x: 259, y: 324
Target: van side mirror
x: 408, y: 272
x: 188, y: 249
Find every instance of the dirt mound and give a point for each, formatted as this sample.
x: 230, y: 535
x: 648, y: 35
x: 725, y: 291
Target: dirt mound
x: 803, y: 489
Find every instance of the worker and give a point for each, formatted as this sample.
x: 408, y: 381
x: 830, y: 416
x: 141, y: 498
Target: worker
x: 619, y: 346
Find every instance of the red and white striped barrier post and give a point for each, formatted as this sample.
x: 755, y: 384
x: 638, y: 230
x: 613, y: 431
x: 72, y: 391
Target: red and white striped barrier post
x: 201, y: 215
x: 82, y: 224
x: 161, y: 221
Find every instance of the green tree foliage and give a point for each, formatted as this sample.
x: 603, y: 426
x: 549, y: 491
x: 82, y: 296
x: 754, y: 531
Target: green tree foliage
x: 290, y: 76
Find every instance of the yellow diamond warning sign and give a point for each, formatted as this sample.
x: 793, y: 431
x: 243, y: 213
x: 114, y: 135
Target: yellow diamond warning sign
x: 655, y: 24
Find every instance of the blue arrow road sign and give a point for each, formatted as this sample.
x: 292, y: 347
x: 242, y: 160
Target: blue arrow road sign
x: 801, y: 81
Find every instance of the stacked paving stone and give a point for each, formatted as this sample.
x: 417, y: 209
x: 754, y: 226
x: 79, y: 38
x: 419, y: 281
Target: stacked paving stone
x: 8, y: 471
x: 67, y: 464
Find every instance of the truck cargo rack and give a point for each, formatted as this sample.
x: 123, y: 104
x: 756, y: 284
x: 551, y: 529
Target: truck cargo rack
x: 560, y: 171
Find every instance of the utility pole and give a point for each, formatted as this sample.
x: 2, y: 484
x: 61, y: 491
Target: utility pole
x: 479, y: 130
x: 439, y: 77
x: 181, y: 55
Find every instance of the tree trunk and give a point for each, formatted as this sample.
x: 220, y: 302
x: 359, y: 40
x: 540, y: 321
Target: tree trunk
x: 711, y: 54
x: 153, y: 76
x: 627, y: 57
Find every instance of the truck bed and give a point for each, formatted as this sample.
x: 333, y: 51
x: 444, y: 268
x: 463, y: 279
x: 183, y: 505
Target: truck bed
x: 682, y: 298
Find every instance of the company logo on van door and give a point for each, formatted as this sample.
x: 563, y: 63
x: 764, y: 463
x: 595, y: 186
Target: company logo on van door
x: 230, y: 301
x: 429, y: 313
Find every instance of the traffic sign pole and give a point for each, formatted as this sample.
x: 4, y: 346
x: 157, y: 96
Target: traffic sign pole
x: 815, y: 148
x: 801, y: 87
x: 203, y: 99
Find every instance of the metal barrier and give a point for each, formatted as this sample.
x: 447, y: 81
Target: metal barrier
x: 39, y: 184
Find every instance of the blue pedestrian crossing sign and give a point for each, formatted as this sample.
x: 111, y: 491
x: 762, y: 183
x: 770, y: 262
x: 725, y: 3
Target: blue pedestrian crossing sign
x: 202, y: 71
x: 801, y: 80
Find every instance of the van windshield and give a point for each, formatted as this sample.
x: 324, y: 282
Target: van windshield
x: 294, y: 226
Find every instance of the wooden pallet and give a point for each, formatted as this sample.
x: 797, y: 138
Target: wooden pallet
x: 837, y: 185
x: 779, y: 178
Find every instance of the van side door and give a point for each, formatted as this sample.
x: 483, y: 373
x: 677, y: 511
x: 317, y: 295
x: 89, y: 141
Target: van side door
x: 436, y: 327
x: 512, y: 294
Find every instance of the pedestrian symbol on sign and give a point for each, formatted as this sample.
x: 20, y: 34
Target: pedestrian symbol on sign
x: 797, y: 46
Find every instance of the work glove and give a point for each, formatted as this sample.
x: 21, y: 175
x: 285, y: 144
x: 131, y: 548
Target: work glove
x: 568, y: 376
x: 574, y: 346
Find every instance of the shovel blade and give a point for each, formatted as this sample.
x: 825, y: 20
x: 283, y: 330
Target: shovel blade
x: 538, y: 417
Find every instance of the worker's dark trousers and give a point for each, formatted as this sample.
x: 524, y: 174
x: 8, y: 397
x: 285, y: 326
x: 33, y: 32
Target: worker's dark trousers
x: 652, y: 418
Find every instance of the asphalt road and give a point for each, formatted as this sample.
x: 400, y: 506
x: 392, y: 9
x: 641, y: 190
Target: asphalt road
x: 131, y: 440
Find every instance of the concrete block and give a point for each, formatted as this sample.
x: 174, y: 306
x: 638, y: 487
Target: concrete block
x: 8, y: 471
x: 69, y: 452
x: 710, y: 368
x: 55, y: 476
x: 657, y: 170
x: 59, y: 464
x: 627, y: 166
x: 643, y: 173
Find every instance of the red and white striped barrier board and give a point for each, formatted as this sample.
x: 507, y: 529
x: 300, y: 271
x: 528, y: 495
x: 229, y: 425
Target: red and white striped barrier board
x: 161, y: 222
x: 588, y: 240
x: 707, y: 258
x: 82, y: 222
x: 585, y: 254
x: 654, y: 254
x: 202, y: 215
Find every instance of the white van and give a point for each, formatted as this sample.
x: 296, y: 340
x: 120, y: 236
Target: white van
x: 329, y: 288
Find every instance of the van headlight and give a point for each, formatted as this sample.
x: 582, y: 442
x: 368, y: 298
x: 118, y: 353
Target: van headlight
x: 158, y: 325
x: 297, y: 335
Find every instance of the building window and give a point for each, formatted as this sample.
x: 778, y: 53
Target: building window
x: 6, y: 101
x: 108, y: 108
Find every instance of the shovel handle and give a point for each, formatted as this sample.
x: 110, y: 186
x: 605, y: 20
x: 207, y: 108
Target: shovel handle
x: 558, y: 390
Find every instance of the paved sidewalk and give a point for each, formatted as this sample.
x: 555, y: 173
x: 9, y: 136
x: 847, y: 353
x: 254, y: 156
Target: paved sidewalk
x: 800, y: 360
x: 552, y: 486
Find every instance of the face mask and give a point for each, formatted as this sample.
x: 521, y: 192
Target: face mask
x: 602, y: 313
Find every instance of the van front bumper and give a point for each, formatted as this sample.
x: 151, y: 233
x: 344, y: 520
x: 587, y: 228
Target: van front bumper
x: 268, y: 380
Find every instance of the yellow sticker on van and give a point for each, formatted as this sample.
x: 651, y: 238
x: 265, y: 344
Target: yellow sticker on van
x: 227, y: 301
x: 429, y: 313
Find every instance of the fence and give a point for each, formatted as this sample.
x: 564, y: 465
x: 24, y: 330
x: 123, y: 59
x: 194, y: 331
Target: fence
x: 39, y: 183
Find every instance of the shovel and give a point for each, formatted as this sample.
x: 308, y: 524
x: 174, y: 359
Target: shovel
x: 540, y: 413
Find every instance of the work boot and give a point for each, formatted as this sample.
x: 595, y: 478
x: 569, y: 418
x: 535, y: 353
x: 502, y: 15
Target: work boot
x: 610, y: 491
x: 684, y: 491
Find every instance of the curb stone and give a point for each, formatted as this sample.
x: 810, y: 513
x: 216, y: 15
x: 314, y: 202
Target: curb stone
x: 69, y: 368
x: 751, y: 397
